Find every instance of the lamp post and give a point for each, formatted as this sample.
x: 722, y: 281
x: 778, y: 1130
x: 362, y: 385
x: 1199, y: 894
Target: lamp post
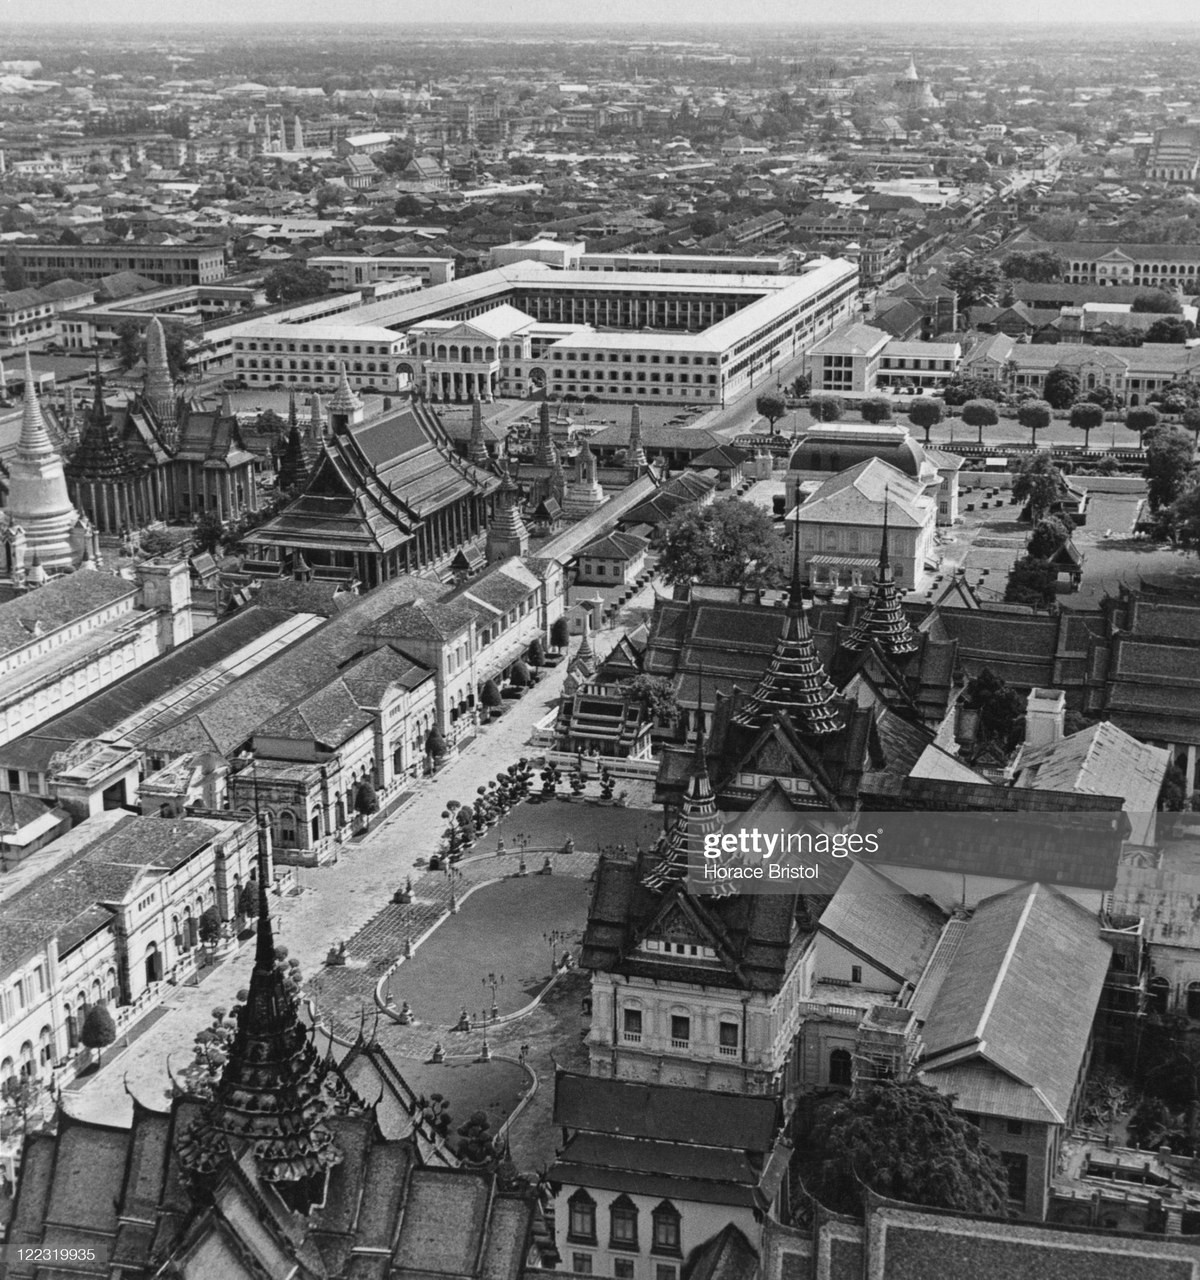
x: 552, y: 939
x: 495, y: 981
x: 521, y: 840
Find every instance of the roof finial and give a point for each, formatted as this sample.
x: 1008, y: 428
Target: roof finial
x: 794, y: 601
x: 883, y: 542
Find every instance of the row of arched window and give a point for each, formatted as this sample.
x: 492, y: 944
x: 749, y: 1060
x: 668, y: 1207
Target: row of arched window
x: 465, y: 355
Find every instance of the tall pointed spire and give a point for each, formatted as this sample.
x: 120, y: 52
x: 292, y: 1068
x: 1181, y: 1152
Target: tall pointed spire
x: 684, y: 849
x: 544, y: 452
x: 292, y: 419
x: 507, y: 535
x: 38, y: 499
x: 158, y: 388
x: 345, y: 409
x: 635, y: 455
x: 883, y: 620
x: 270, y: 1094
x: 795, y: 684
x: 316, y: 420
x: 477, y: 448
x: 35, y: 439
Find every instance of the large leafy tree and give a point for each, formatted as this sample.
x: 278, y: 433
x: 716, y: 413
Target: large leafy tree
x: 1001, y: 708
x: 1038, y: 484
x: 1143, y: 418
x: 656, y: 695
x: 1035, y: 416
x: 926, y: 413
x: 1031, y: 581
x: 1169, y: 462
x: 1086, y: 416
x: 980, y: 414
x: 1171, y: 329
x: 959, y: 390
x: 1156, y: 302
x: 905, y: 1141
x: 1048, y: 535
x: 1061, y: 387
x: 976, y: 283
x: 772, y: 406
x: 1040, y: 265
x: 726, y: 543
x: 876, y: 409
x: 292, y: 282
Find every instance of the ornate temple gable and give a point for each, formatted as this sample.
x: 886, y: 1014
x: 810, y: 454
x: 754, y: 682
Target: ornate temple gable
x: 777, y: 754
x: 682, y: 931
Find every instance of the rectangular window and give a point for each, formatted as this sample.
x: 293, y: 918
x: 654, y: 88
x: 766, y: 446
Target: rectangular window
x: 1015, y: 1127
x: 622, y: 1269
x: 582, y: 1225
x: 856, y: 973
x: 624, y: 1227
x: 581, y: 1264
x: 664, y: 1272
x: 681, y: 1031
x: 1018, y: 1174
x: 633, y: 1025
x: 666, y: 1233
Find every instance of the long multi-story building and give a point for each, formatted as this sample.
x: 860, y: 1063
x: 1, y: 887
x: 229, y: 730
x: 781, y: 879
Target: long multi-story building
x: 612, y: 335
x: 1154, y: 265
x: 162, y: 263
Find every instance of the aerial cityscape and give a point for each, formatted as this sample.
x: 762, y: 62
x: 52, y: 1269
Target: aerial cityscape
x: 599, y: 645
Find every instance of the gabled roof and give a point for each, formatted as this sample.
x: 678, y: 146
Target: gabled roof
x: 1009, y: 1028
x: 885, y: 924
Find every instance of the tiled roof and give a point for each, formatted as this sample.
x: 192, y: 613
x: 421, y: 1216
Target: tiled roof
x: 877, y: 919
x: 665, y: 1113
x: 1013, y: 1018
x: 65, y: 903
x: 909, y: 1243
x: 1101, y: 760
x: 60, y: 602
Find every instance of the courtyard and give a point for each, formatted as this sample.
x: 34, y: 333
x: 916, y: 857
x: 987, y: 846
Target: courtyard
x: 514, y: 929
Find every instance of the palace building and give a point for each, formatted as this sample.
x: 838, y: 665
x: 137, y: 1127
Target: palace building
x: 687, y: 337
x: 388, y: 496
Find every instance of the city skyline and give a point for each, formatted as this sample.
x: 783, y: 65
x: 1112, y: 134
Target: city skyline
x: 665, y: 13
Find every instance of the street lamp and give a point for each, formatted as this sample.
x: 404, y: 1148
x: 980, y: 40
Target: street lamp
x: 495, y: 981
x: 521, y: 840
x: 552, y: 939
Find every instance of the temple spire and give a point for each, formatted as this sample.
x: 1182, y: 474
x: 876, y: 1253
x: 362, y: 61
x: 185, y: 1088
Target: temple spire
x: 477, y: 448
x: 345, y: 409
x: 698, y: 818
x: 158, y: 388
x: 883, y: 621
x: 35, y: 439
x: 544, y: 452
x: 635, y: 455
x: 795, y: 685
x: 270, y: 1095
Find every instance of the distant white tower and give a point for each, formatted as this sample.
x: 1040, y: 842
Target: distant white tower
x: 37, y: 490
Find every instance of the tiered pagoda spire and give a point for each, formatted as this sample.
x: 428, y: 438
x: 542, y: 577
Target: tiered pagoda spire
x: 316, y: 421
x: 477, y: 449
x: 545, y: 454
x: 795, y: 685
x: 635, y: 455
x: 698, y: 818
x: 158, y: 389
x: 294, y: 462
x: 507, y: 534
x: 882, y: 620
x: 346, y: 408
x: 271, y: 1094
x: 38, y: 499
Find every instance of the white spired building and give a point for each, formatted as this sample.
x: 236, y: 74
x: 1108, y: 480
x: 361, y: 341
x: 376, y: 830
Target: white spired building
x: 42, y: 530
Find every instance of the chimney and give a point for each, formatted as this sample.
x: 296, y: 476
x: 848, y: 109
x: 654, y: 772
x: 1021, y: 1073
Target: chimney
x: 1045, y: 716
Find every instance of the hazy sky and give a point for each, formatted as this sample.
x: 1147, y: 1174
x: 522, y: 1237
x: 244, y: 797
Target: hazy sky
x: 950, y: 13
